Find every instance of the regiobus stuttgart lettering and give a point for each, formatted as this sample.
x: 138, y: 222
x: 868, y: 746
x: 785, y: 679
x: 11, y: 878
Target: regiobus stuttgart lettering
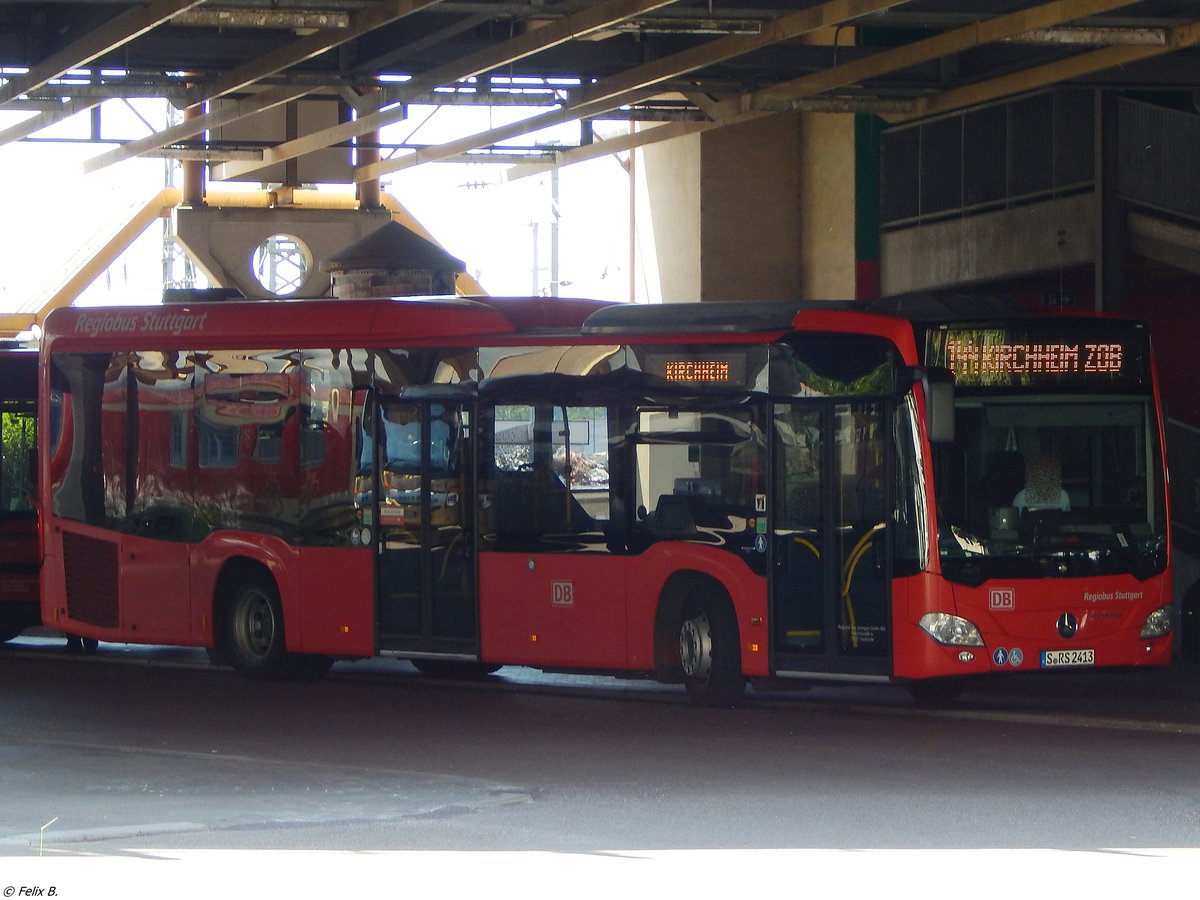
x: 1101, y: 596
x: 152, y: 322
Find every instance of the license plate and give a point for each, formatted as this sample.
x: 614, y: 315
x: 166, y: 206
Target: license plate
x: 1052, y: 658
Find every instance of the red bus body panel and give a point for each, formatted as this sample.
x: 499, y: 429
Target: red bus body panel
x: 337, y: 615
x: 19, y: 547
x: 1021, y: 615
x: 598, y: 611
x: 165, y: 591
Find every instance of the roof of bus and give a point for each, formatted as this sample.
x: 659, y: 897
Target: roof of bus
x: 754, y: 320
x: 424, y: 320
x: 708, y: 317
x: 256, y: 323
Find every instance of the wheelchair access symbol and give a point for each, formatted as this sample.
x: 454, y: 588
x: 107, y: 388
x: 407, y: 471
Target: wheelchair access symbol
x: 1006, y: 657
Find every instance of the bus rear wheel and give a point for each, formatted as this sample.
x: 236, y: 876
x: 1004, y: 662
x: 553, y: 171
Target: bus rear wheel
x: 252, y: 637
x: 708, y: 654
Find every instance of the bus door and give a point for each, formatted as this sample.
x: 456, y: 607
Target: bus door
x: 831, y: 566
x: 426, y: 594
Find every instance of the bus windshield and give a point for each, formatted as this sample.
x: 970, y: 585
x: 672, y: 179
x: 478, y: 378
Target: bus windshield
x: 1055, y: 487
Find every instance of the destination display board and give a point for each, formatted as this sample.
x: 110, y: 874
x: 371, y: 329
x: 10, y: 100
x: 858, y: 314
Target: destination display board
x: 728, y: 366
x: 1061, y: 352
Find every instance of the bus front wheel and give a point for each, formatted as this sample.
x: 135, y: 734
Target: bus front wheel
x: 708, y: 654
x: 252, y: 637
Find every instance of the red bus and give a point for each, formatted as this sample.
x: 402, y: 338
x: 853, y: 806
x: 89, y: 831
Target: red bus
x: 20, y: 558
x: 709, y: 493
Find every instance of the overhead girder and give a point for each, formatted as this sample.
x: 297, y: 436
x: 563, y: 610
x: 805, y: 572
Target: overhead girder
x: 731, y: 60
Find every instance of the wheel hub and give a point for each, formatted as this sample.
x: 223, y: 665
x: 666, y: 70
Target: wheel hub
x: 256, y: 626
x: 695, y: 647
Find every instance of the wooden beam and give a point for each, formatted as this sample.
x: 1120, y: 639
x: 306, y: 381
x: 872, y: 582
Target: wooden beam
x: 608, y: 94
x: 948, y: 43
x: 79, y: 277
x: 1077, y: 66
x: 12, y: 324
x: 376, y: 15
x: 230, y: 112
x: 45, y: 119
x: 784, y: 28
x: 619, y: 144
x: 116, y: 33
x: 491, y: 136
x: 588, y: 20
x: 380, y: 14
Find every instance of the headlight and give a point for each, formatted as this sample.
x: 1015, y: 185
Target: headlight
x: 1157, y: 624
x: 954, y: 630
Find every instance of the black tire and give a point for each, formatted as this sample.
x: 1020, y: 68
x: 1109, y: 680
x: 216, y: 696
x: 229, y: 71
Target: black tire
x: 77, y: 644
x: 710, y: 654
x: 457, y: 669
x: 216, y: 656
x: 251, y: 636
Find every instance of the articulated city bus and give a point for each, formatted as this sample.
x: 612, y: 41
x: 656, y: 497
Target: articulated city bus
x: 20, y: 557
x: 706, y: 494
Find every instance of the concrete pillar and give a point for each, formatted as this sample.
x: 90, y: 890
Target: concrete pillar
x: 192, y: 170
x: 759, y: 211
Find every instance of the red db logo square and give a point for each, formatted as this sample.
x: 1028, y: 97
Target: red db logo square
x: 562, y: 593
x: 1002, y: 598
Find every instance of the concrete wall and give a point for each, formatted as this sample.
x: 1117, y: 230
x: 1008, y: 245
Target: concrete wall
x: 668, y: 221
x: 1010, y: 243
x: 759, y: 211
x: 750, y: 210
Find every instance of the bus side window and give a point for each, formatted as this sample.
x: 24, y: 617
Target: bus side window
x: 549, y: 474
x: 713, y: 461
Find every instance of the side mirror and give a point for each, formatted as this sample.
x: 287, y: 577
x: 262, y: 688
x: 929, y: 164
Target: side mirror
x: 938, y: 384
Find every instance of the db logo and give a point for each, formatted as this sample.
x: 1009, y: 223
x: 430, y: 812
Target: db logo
x: 562, y: 593
x: 1002, y: 598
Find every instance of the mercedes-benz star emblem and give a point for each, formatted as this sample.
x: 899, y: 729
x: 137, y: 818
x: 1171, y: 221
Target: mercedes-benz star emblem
x: 1067, y: 625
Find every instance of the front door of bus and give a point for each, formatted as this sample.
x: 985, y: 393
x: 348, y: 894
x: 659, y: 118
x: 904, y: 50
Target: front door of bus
x: 426, y: 596
x: 831, y: 572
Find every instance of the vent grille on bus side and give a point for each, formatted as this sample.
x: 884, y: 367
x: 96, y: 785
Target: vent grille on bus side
x: 91, y: 573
